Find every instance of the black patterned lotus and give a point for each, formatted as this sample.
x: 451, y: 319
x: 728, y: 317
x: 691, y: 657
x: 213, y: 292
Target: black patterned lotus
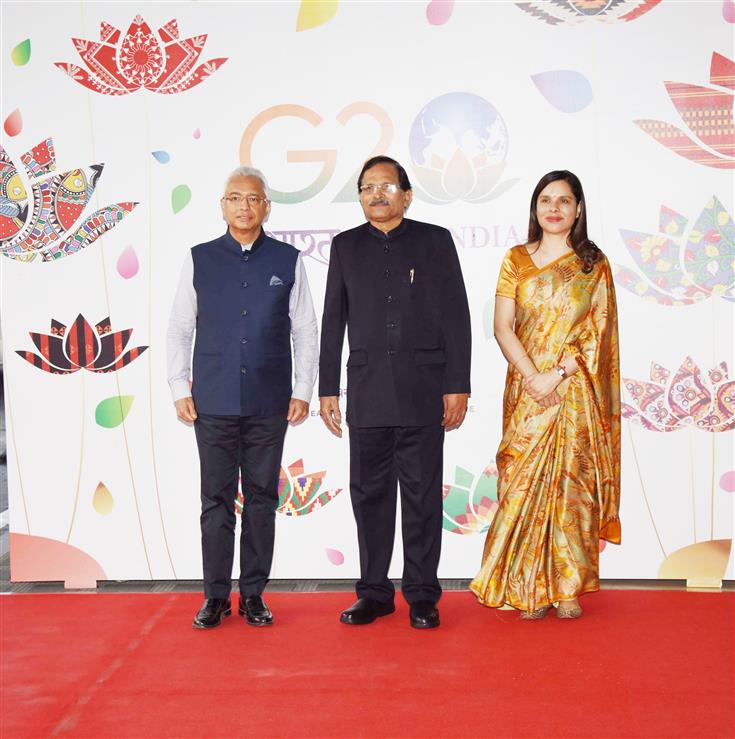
x: 97, y: 349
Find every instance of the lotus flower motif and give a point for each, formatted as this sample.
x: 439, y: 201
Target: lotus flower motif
x: 555, y: 12
x: 57, y: 203
x: 707, y: 112
x: 681, y: 268
x: 82, y: 347
x: 298, y: 493
x: 685, y: 400
x: 119, y: 65
x: 469, y: 506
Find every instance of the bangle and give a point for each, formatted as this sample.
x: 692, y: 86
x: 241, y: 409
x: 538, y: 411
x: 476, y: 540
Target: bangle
x: 514, y: 362
x: 561, y: 372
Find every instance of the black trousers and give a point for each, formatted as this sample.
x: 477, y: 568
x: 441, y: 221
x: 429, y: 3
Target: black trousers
x: 379, y: 458
x: 230, y: 446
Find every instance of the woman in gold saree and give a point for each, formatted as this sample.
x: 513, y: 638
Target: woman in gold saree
x: 559, y: 458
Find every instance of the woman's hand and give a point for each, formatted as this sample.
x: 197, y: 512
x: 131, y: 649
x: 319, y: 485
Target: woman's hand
x: 551, y: 399
x: 541, y: 385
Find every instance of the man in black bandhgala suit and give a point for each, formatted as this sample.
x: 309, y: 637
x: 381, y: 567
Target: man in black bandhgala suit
x: 396, y: 284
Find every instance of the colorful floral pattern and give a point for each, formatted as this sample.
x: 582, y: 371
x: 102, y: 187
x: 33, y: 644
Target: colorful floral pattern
x: 687, y: 399
x: 298, y: 493
x: 680, y: 268
x: 82, y: 347
x: 57, y: 203
x: 556, y: 12
x: 707, y: 112
x: 469, y: 504
x: 119, y: 65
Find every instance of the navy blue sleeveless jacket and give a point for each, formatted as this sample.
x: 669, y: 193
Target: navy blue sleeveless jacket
x: 242, y: 351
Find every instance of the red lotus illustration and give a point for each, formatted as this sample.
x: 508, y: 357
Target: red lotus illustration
x: 707, y: 112
x: 120, y: 64
x: 57, y: 203
x: 671, y: 403
x: 95, y: 349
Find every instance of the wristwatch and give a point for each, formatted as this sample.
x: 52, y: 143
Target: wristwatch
x: 562, y: 372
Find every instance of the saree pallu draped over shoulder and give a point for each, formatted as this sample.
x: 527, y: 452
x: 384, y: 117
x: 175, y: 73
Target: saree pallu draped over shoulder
x: 558, y: 467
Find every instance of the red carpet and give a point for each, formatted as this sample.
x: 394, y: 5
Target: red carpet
x: 638, y: 664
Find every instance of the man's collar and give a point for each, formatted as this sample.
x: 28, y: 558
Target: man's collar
x: 235, y: 244
x: 399, y: 229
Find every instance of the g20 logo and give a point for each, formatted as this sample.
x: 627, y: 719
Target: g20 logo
x: 458, y: 145
x: 328, y: 157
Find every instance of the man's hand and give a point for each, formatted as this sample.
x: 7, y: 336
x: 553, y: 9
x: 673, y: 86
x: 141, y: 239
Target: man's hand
x: 455, y: 409
x: 185, y: 410
x: 330, y: 413
x: 297, y: 411
x: 542, y: 384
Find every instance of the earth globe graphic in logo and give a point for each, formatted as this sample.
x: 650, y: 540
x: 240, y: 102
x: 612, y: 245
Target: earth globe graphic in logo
x: 458, y: 144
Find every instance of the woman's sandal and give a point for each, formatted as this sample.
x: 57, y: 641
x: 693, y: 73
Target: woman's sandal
x: 536, y: 614
x: 563, y: 611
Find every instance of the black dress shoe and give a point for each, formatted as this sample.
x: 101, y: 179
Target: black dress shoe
x: 365, y: 611
x: 255, y: 610
x: 212, y: 612
x: 424, y: 615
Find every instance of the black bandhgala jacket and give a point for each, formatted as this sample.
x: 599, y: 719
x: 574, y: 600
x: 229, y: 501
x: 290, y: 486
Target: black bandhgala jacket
x: 402, y: 297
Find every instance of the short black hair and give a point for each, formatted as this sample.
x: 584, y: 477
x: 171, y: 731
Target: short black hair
x: 403, y: 182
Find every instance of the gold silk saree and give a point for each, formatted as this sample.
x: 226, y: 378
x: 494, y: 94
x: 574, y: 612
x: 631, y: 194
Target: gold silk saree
x: 558, y: 467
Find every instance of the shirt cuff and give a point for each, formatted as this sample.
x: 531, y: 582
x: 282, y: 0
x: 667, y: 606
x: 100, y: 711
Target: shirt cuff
x: 456, y: 388
x: 302, y: 391
x: 180, y: 389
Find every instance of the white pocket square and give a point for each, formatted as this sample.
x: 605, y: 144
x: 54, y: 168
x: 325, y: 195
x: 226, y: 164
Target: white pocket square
x: 276, y: 281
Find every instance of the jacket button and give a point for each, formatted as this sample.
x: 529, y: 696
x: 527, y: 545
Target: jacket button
x: 243, y: 312
x: 245, y: 257
x: 386, y: 248
x: 243, y: 370
x: 390, y: 325
x: 391, y: 352
x: 386, y: 273
x: 244, y: 284
x: 243, y: 341
x: 390, y: 298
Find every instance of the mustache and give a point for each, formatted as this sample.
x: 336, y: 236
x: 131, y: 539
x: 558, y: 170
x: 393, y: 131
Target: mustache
x: 379, y: 202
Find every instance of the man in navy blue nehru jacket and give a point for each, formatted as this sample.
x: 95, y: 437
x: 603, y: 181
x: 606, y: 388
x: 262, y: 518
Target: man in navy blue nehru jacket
x: 246, y: 297
x: 397, y: 286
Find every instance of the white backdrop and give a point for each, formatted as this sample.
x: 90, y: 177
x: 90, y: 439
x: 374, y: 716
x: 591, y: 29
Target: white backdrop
x: 514, y: 93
